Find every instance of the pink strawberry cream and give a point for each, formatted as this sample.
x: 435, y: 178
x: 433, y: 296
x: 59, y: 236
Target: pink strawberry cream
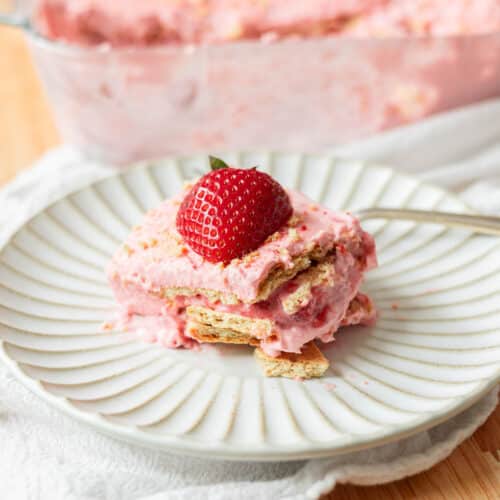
x: 152, y: 22
x: 155, y: 260
x: 148, y: 22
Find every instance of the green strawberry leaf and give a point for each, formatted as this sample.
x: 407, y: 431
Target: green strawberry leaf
x: 217, y: 163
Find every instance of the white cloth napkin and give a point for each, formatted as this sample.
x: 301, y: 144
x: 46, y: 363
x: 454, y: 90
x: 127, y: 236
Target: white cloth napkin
x: 46, y: 455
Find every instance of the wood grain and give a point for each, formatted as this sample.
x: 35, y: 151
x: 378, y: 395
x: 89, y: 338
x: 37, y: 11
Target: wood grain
x: 27, y: 130
x: 26, y: 127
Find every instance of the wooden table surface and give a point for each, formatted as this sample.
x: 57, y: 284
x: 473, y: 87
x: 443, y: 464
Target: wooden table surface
x: 27, y: 130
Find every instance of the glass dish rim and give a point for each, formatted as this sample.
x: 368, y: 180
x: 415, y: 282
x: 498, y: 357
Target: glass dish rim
x: 65, y: 48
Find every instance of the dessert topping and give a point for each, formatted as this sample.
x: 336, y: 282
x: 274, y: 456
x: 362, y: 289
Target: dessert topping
x: 230, y: 212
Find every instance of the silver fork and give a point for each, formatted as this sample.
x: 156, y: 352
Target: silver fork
x: 477, y: 223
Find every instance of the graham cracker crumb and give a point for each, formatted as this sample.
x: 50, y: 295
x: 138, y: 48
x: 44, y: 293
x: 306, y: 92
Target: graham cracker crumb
x: 129, y: 251
x: 295, y: 220
x: 293, y: 234
x: 275, y: 236
x: 107, y: 326
x: 284, y: 253
x: 251, y: 257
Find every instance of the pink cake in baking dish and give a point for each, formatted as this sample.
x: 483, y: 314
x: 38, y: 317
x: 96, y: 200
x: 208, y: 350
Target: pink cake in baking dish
x: 130, y: 80
x: 129, y: 22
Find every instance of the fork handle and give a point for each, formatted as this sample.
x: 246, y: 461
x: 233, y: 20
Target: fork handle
x: 477, y: 223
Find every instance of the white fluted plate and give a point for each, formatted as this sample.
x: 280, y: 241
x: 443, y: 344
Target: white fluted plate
x: 434, y: 351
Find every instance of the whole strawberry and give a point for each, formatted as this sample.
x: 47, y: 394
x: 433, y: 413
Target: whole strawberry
x: 230, y: 212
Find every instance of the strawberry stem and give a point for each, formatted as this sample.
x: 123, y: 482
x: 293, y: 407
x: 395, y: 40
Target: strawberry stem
x: 217, y: 163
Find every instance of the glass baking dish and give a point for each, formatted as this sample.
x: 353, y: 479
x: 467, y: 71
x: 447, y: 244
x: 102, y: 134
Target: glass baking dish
x: 125, y: 104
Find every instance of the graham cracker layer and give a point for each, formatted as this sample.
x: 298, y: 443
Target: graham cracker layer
x: 309, y: 363
x: 210, y: 335
x: 276, y: 277
x: 213, y: 296
x: 254, y: 328
x: 322, y: 273
x: 251, y: 327
x: 280, y: 275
